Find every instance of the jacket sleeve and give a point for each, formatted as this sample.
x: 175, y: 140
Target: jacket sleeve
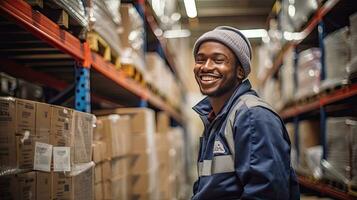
x: 262, y: 158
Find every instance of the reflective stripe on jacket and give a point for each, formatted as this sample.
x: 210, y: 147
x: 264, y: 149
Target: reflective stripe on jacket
x: 244, y: 152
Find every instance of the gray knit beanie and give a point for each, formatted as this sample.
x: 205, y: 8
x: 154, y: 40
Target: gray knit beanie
x: 233, y: 39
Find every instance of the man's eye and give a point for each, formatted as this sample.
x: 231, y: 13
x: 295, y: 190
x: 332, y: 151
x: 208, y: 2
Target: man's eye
x: 200, y: 61
x: 219, y: 61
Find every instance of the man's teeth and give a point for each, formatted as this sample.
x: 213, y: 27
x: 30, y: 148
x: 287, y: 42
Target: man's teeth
x: 208, y: 78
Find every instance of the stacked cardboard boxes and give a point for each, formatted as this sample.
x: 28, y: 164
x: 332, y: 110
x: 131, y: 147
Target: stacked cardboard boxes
x: 309, y: 136
x: 49, y: 139
x: 143, y: 165
x: 111, y: 155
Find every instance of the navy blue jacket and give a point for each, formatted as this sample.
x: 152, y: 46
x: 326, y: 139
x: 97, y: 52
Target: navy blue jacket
x: 261, y: 156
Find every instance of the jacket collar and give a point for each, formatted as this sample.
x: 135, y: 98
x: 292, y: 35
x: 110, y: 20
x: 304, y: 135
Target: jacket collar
x: 203, y: 108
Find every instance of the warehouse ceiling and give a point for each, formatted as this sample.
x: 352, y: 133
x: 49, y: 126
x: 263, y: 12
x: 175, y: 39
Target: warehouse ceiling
x: 243, y: 14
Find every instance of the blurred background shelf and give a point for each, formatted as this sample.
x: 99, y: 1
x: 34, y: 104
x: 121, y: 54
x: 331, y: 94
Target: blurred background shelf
x: 33, y: 41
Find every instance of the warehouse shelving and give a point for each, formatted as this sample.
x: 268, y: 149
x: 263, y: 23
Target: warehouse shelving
x: 334, y: 100
x: 50, y: 60
x: 320, y: 13
x: 323, y: 188
x: 340, y: 94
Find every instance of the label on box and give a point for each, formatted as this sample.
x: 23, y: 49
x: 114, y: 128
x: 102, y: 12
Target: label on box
x: 61, y: 159
x: 43, y: 156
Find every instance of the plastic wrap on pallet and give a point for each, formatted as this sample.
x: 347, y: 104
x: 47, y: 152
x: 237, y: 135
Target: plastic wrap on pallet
x: 308, y: 72
x: 271, y: 93
x: 76, y: 9
x: 29, y: 91
x: 340, y: 135
x: 298, y: 12
x: 337, y: 57
x: 313, y: 160
x: 309, y: 131
x: 42, y: 137
x: 105, y: 26
x: 352, y: 67
x: 8, y: 85
x: 133, y: 32
x: 287, y: 77
x: 353, y: 130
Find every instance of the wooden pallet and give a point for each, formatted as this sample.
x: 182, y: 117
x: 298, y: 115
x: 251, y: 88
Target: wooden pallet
x: 60, y: 17
x: 100, y: 46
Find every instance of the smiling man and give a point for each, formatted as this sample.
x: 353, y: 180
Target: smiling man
x: 245, y: 149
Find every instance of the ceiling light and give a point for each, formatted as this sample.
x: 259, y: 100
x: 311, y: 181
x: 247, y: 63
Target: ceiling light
x: 255, y: 33
x: 180, y: 33
x: 291, y: 10
x: 190, y: 7
x: 175, y: 16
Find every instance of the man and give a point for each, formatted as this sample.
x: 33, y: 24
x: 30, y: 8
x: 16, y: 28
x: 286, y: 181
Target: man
x: 245, y: 149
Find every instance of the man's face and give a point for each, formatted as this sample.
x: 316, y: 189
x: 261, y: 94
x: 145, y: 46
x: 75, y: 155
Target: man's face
x: 215, y: 69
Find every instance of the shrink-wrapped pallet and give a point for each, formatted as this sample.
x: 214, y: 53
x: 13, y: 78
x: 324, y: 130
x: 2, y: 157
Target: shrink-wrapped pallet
x: 308, y: 72
x: 337, y: 56
x: 76, y: 9
x: 105, y: 25
x: 309, y: 136
x: 352, y: 67
x: 341, y: 148
x: 287, y: 77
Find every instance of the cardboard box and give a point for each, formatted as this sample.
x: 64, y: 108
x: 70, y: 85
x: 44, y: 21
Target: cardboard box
x: 43, y: 185
x: 142, y: 120
x: 74, y: 187
x: 83, y: 137
x: 120, y: 167
x: 107, y: 190
x: 43, y: 119
x: 98, y: 130
x: 140, y: 143
x: 141, y: 183
x: 116, y: 133
x: 19, y: 186
x: 162, y: 122
x: 99, y: 151
x: 61, y: 126
x: 25, y: 117
x: 17, y: 117
x: 83, y: 185
x: 141, y: 163
x: 98, y: 191
x: 98, y: 177
x: 106, y: 170
x: 61, y: 186
x: 25, y: 150
x: 121, y: 189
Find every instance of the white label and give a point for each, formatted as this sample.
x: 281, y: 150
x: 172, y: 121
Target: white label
x: 43, y: 156
x: 61, y: 159
x: 218, y: 147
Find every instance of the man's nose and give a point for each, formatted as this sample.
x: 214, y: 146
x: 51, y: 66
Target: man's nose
x: 208, y: 65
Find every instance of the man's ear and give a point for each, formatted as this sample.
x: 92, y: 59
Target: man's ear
x: 240, y: 73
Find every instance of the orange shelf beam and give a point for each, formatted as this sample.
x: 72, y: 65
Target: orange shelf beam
x: 118, y: 76
x: 338, y: 95
x: 324, y: 189
x: 42, y: 27
x: 320, y: 13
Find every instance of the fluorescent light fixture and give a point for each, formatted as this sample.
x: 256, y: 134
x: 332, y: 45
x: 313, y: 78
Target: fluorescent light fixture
x: 254, y: 33
x: 190, y: 7
x: 291, y: 10
x: 158, y: 7
x: 180, y: 33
